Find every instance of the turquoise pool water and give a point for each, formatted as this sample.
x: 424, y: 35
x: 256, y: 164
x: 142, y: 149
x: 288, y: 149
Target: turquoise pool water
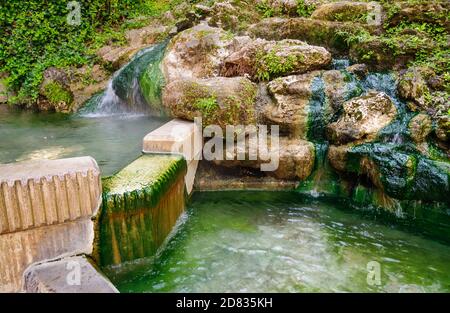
x: 284, y: 242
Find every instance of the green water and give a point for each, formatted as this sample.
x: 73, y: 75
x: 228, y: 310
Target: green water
x: 114, y: 141
x: 282, y: 242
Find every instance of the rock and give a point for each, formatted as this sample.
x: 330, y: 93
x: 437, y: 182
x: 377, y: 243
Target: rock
x: 342, y: 11
x: 434, y: 12
x: 412, y: 86
x: 148, y: 35
x: 212, y: 177
x: 288, y: 7
x: 420, y: 127
x: 196, y: 53
x: 363, y: 118
x: 292, y: 97
x: 264, y: 60
x: 296, y: 158
x: 55, y: 92
x: 443, y: 128
x: 203, y: 10
x: 116, y: 57
x: 337, y: 155
x: 60, y: 276
x: 360, y: 70
x: 400, y: 174
x: 314, y: 32
x: 220, y: 101
x: 233, y: 15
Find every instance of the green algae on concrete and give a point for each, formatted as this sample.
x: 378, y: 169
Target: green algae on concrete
x: 140, y: 206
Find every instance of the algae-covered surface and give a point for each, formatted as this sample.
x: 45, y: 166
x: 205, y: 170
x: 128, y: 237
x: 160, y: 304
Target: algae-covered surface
x: 284, y: 242
x: 148, y: 171
x: 140, y: 206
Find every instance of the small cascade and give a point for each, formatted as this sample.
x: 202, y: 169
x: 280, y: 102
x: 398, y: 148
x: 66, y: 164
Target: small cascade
x: 134, y: 89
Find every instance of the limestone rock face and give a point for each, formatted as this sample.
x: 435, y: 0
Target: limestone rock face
x: 233, y: 15
x: 412, y: 86
x: 425, y: 12
x: 263, y: 60
x: 341, y: 11
x: 314, y: 32
x: 363, y: 118
x: 196, y: 53
x: 296, y: 158
x: 219, y: 101
x: 420, y: 127
x: 292, y: 96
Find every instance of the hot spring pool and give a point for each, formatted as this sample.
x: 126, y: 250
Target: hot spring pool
x: 282, y: 242
x: 114, y: 141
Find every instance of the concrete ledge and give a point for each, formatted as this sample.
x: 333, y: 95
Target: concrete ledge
x: 21, y: 249
x: 69, y: 275
x: 140, y: 206
x: 47, y: 192
x: 177, y: 137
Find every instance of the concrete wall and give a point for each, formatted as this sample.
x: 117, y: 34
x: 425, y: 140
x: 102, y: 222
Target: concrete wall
x: 46, y: 211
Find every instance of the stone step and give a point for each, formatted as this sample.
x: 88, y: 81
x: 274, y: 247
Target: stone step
x: 69, y: 275
x: 178, y: 137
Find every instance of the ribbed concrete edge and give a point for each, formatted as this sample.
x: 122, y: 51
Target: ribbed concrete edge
x: 75, y: 274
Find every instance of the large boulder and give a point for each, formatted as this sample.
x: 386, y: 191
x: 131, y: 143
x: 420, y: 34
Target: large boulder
x: 342, y: 11
x: 219, y: 101
x: 265, y: 60
x: 234, y: 15
x: 314, y: 32
x: 296, y: 158
x: 299, y: 100
x: 196, y: 53
x: 363, y: 118
x: 434, y: 12
x: 395, y: 171
x: 55, y: 93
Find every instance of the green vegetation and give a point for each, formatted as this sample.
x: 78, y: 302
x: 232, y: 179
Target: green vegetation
x: 35, y: 35
x: 304, y: 9
x: 207, y: 105
x: 270, y: 65
x: 56, y: 93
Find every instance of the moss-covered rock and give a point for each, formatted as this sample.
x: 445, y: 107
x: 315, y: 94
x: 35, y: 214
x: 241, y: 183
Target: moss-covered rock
x: 420, y: 127
x: 234, y: 15
x: 55, y: 93
x: 315, y: 32
x: 265, y: 60
x: 196, y: 53
x: 219, y: 101
x: 342, y: 11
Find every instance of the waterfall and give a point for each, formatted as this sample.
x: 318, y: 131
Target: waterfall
x: 135, y: 89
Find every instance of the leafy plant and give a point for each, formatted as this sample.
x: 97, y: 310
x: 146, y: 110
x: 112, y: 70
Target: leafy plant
x: 304, y: 9
x: 270, y: 65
